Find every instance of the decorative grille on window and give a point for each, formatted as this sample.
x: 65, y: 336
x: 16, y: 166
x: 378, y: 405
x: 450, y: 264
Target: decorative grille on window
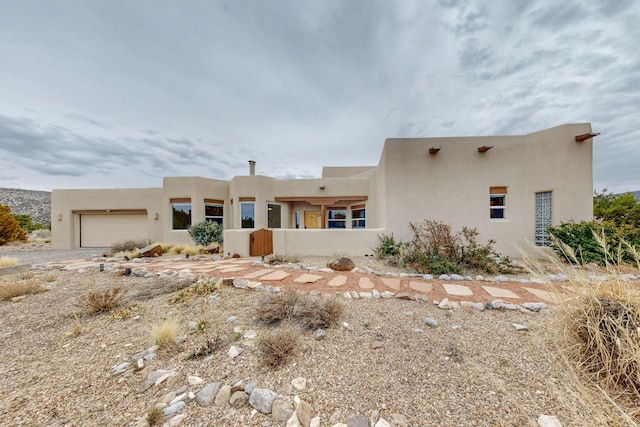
x: 543, y: 218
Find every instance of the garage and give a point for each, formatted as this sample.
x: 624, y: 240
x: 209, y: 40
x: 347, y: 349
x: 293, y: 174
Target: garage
x: 103, y: 230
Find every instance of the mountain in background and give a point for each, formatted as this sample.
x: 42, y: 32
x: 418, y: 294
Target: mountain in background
x: 36, y: 204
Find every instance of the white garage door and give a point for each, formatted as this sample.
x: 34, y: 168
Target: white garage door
x: 104, y: 230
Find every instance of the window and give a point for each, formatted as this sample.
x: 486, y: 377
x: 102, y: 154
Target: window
x: 543, y: 218
x: 214, y: 212
x: 337, y: 217
x: 358, y: 217
x: 273, y: 215
x: 497, y: 202
x: 181, y: 214
x: 297, y: 219
x: 247, y: 214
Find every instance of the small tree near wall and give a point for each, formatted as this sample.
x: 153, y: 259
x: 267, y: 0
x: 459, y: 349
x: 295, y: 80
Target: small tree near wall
x: 10, y: 230
x: 204, y: 233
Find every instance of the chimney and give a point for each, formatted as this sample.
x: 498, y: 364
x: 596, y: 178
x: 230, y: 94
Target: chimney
x: 252, y: 167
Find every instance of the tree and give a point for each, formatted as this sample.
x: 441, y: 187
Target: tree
x: 205, y: 233
x: 10, y: 230
x: 619, y: 209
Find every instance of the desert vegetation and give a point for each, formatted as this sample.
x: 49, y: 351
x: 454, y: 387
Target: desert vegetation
x: 436, y: 249
x: 205, y: 233
x: 10, y: 230
x: 101, y: 301
x: 17, y: 285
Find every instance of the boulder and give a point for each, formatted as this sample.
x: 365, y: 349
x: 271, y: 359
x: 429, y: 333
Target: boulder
x: 343, y: 264
x: 151, y: 251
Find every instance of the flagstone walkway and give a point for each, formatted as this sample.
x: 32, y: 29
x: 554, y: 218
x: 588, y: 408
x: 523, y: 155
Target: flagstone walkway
x: 515, y: 292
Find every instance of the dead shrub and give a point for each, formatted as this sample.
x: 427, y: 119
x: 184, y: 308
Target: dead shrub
x: 277, y: 347
x: 314, y: 313
x: 276, y: 307
x: 7, y: 261
x: 164, y: 334
x: 16, y: 288
x: 99, y: 302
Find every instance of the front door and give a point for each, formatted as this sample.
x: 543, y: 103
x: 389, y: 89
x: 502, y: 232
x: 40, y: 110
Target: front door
x: 311, y: 219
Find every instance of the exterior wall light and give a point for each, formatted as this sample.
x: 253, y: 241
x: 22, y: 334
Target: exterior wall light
x: 156, y: 216
x: 322, y: 187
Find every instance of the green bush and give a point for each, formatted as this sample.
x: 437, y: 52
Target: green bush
x: 582, y: 239
x: 618, y: 209
x: 10, y: 230
x: 204, y: 233
x: 387, y: 247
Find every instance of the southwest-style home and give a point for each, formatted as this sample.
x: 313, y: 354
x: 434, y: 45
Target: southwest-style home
x: 510, y: 188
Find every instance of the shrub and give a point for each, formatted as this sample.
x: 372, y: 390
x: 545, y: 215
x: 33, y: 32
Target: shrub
x: 314, y: 313
x: 276, y: 307
x: 99, y: 302
x: 11, y: 288
x: 129, y: 245
x: 278, y: 347
x: 7, y: 261
x: 277, y: 259
x: 388, y: 246
x: 437, y: 250
x: 154, y: 416
x: 205, y: 233
x: 618, y: 209
x: 582, y: 239
x: 165, y: 333
x: 10, y: 230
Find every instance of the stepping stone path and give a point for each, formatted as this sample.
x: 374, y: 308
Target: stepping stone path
x: 251, y: 273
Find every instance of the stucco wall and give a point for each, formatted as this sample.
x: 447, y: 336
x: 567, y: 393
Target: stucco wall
x: 452, y: 186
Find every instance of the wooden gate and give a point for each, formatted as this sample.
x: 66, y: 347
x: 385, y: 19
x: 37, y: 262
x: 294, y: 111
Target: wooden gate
x: 261, y: 242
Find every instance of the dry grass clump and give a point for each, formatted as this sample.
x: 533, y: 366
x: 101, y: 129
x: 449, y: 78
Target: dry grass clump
x: 276, y: 259
x: 310, y: 313
x: 165, y: 333
x: 7, y: 261
x: 129, y: 245
x: 15, y: 287
x: 184, y: 249
x: 99, y: 302
x: 601, y: 327
x: 276, y: 307
x: 277, y: 347
x: 313, y: 313
x: 154, y: 416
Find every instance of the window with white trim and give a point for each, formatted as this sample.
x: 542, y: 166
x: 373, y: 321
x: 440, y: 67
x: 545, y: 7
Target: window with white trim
x: 498, y: 202
x: 337, y: 217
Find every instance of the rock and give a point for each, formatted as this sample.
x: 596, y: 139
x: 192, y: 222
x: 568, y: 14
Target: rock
x: 497, y: 304
x: 479, y: 278
x: 223, y: 396
x: 120, y: 368
x: 535, y: 306
x: 427, y: 276
x: 250, y: 334
x: 299, y: 383
x: 347, y: 326
x: 235, y: 351
x: 193, y: 380
x: 250, y: 387
x: 520, y: 327
x: 421, y: 298
x: 293, y: 421
x: 445, y: 304
x: 177, y: 420
x: 431, y: 322
x: 418, y: 330
x: 357, y: 421
x: 304, y: 412
x: 320, y: 334
x: 343, y: 264
x: 315, y: 422
x: 456, y: 277
x: 444, y: 277
x: 240, y: 283
x: 382, y: 423
x: 180, y: 398
x: 405, y: 296
x: 373, y: 418
x: 239, y: 399
x: 398, y: 420
x: 262, y: 400
x: 151, y: 251
x: 281, y: 409
x: 231, y: 319
x: 386, y: 295
x: 501, y: 279
x: 477, y: 306
x: 175, y: 408
x: 548, y: 421
x: 205, y: 396
x: 512, y: 306
x: 376, y: 294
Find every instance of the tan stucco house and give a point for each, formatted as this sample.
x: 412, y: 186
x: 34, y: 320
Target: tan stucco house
x: 511, y: 188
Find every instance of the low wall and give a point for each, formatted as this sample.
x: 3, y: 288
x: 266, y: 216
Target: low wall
x: 308, y: 242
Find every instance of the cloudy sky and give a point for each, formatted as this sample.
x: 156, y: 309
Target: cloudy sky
x: 121, y: 93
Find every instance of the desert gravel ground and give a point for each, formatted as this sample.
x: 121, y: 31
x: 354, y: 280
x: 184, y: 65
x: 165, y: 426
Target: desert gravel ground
x: 474, y: 369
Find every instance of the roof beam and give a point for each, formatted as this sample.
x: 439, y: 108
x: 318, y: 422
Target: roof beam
x: 484, y: 148
x: 586, y: 136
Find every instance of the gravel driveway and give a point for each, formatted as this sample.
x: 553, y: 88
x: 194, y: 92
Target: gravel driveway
x: 49, y: 255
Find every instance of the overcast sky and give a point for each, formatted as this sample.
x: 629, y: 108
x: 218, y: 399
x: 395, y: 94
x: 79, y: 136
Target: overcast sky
x: 101, y: 94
